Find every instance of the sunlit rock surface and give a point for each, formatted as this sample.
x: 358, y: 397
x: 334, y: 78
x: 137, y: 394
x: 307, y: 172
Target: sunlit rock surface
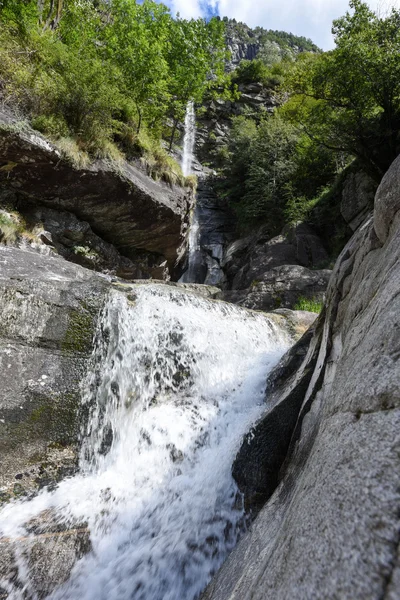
x: 331, y: 528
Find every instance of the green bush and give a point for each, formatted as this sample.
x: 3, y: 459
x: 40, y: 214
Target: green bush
x: 309, y: 304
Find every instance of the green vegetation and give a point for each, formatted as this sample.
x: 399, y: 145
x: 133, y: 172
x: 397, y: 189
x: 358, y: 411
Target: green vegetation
x: 79, y: 335
x: 349, y: 99
x: 258, y: 70
x: 103, y: 78
x: 339, y: 110
x: 311, y: 305
x: 9, y: 228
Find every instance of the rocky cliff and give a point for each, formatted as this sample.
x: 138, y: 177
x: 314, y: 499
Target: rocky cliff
x: 326, y: 454
x: 116, y: 204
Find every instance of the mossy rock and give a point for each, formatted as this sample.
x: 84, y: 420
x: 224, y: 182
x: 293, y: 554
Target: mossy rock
x: 80, y: 331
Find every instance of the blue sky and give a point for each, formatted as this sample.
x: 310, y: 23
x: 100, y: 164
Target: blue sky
x: 311, y: 18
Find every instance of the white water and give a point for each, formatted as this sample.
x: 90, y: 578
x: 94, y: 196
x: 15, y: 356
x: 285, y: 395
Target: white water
x: 189, y: 276
x: 178, y: 380
x: 189, y: 139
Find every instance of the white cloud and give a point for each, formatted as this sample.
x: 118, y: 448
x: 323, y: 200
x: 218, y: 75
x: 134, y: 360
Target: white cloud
x: 187, y: 9
x: 311, y: 18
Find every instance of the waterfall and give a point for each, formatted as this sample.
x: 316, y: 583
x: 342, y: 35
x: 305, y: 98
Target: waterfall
x: 189, y: 139
x: 189, y: 275
x: 194, y: 257
x: 176, y: 381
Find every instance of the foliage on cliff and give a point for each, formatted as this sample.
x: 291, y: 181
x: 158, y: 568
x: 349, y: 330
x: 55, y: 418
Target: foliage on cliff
x: 101, y: 72
x: 264, y: 37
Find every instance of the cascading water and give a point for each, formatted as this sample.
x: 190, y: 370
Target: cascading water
x: 194, y: 258
x: 189, y: 275
x: 189, y: 139
x: 176, y: 381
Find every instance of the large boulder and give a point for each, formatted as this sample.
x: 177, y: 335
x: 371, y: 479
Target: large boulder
x: 357, y: 198
x: 120, y: 203
x: 266, y: 273
x: 48, y: 313
x: 282, y: 287
x: 331, y: 527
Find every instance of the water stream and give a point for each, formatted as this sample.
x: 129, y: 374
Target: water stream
x: 176, y: 381
x: 189, y: 139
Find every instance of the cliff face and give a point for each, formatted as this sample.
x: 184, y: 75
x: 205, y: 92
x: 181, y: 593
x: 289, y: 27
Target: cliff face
x: 139, y: 216
x: 331, y: 527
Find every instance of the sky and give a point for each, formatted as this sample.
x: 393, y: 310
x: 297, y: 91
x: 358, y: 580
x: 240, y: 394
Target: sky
x: 311, y: 18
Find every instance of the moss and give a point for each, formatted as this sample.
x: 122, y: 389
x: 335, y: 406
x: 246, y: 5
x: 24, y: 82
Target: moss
x: 79, y: 335
x: 53, y: 420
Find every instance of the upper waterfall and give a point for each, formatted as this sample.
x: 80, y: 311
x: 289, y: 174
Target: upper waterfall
x: 189, y: 139
x: 176, y: 381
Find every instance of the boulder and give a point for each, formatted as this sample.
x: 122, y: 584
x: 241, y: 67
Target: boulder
x: 282, y: 287
x: 331, y: 527
x: 119, y: 202
x: 266, y: 273
x: 48, y: 311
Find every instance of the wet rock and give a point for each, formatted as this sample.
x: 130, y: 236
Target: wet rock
x: 48, y: 311
x: 216, y: 226
x: 258, y: 463
x: 47, y: 554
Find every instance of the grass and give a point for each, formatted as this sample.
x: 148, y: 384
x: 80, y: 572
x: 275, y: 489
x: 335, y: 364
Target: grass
x: 72, y: 153
x: 191, y: 182
x: 11, y: 226
x: 14, y: 228
x: 309, y: 304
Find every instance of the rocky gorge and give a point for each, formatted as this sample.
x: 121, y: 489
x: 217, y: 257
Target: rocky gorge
x: 107, y: 361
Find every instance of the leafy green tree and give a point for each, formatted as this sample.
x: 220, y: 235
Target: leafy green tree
x: 349, y: 99
x: 271, y: 168
x: 242, y: 137
x: 135, y: 40
x: 195, y: 56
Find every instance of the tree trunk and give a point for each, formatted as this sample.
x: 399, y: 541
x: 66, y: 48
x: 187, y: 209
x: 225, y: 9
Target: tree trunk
x: 140, y: 119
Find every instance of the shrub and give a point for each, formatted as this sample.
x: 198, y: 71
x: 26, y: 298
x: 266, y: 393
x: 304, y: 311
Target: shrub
x: 11, y: 225
x: 309, y: 304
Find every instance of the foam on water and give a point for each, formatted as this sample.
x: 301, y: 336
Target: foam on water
x: 176, y: 382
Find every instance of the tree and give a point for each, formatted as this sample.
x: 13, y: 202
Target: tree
x: 349, y: 99
x: 135, y: 40
x: 195, y: 56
